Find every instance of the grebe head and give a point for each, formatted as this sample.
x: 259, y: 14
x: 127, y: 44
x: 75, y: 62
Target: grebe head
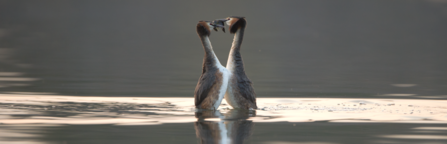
x: 235, y: 23
x: 204, y: 28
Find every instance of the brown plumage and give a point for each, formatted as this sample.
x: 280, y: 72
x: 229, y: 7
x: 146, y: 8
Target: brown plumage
x: 207, y: 90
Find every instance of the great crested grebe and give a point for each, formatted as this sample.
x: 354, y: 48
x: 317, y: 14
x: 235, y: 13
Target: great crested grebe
x: 213, y: 82
x: 240, y: 93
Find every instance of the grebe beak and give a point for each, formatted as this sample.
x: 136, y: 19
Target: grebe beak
x: 219, y: 23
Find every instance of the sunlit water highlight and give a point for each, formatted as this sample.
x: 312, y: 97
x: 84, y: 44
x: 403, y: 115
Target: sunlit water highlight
x: 48, y: 109
x: 21, y: 114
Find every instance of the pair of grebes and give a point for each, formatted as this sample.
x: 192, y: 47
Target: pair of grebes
x: 218, y: 82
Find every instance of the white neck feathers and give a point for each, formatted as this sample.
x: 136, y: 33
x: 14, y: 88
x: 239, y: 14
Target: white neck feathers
x: 207, y: 44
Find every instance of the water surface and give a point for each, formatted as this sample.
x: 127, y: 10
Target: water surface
x: 74, y: 119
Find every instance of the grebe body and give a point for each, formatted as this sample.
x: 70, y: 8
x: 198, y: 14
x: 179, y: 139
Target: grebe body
x: 240, y: 93
x: 213, y: 82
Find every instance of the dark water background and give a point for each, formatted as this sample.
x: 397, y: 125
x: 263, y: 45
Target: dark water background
x: 291, y: 48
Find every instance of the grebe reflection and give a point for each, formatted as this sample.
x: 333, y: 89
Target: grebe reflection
x: 233, y: 127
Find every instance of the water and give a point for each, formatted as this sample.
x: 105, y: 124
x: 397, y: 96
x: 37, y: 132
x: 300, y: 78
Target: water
x: 324, y: 72
x: 72, y: 119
